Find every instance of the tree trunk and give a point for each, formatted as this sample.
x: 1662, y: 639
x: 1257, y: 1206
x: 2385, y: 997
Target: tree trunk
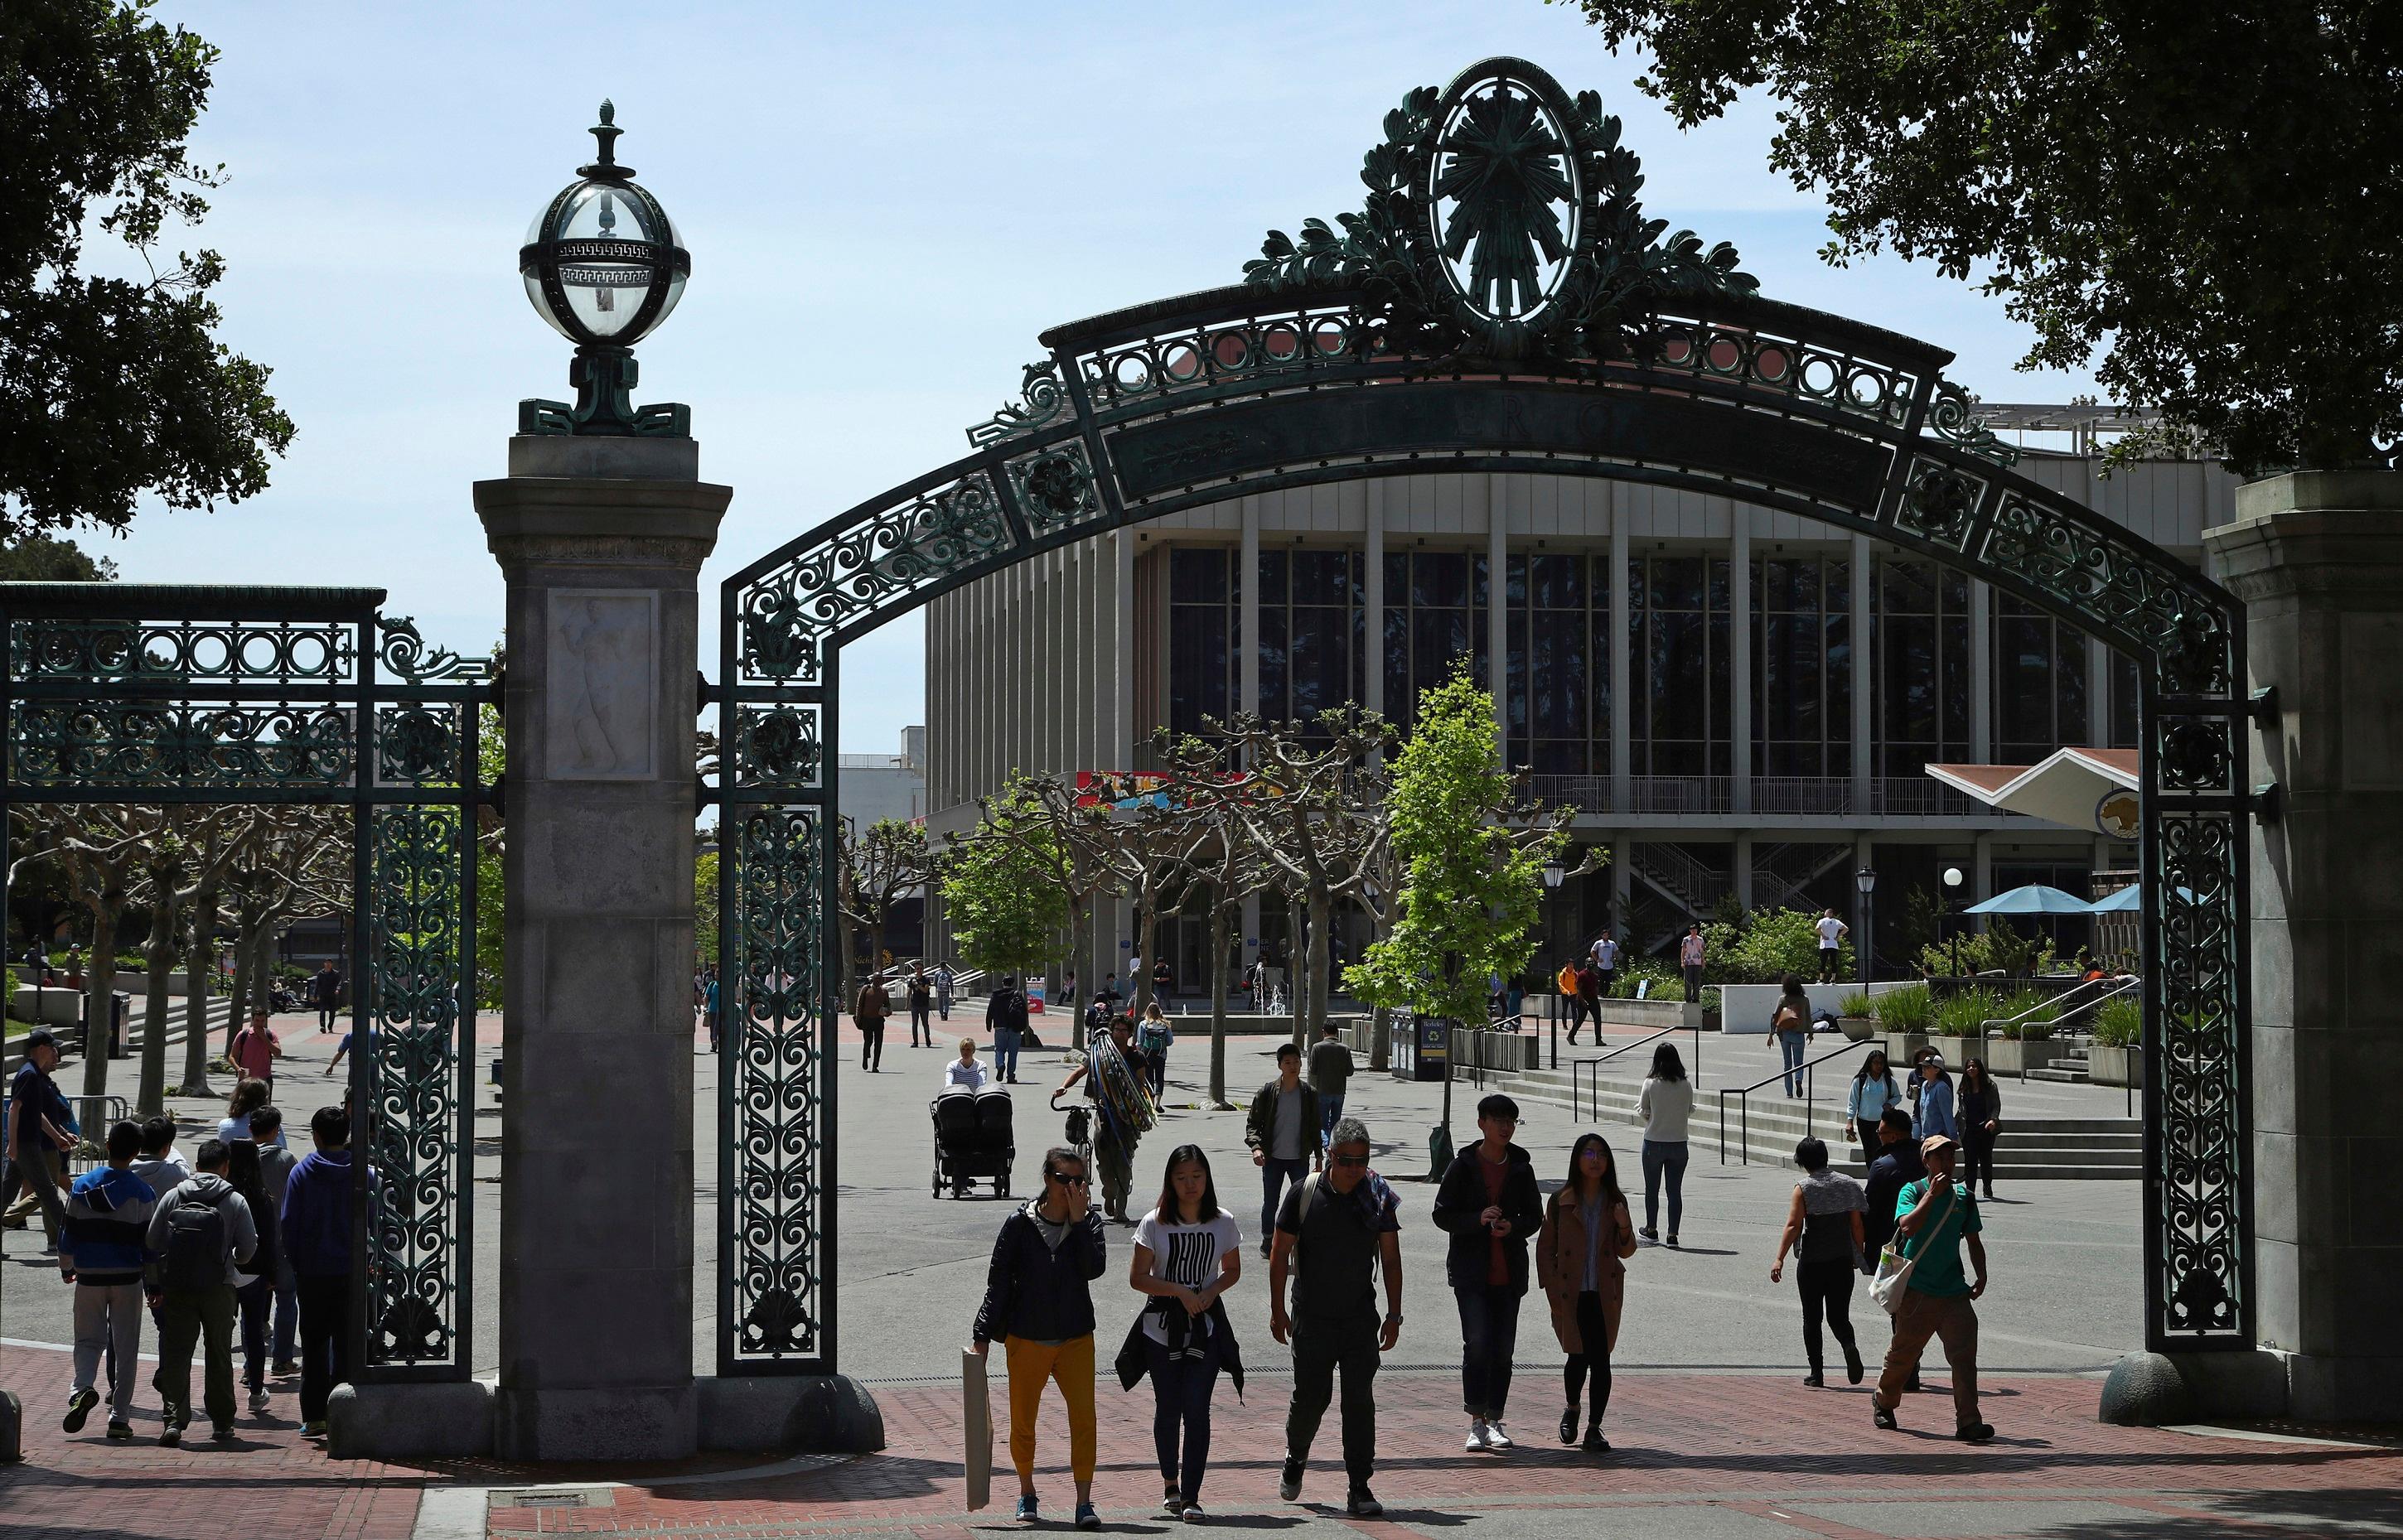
x: 1295, y: 960
x: 195, y: 994
x: 159, y: 955
x: 262, y: 975
x: 1322, y: 914
x: 1146, y: 925
x: 245, y: 926
x: 1080, y: 945
x: 1219, y: 937
x: 98, y: 984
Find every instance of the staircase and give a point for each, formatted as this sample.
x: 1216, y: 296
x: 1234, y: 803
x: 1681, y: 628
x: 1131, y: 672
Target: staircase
x: 1692, y: 887
x: 2053, y: 1149
x: 1780, y: 873
x: 2071, y: 1071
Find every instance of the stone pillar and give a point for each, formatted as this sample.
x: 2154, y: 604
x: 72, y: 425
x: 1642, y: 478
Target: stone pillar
x: 1622, y: 780
x: 601, y: 541
x: 2317, y: 558
x: 1864, y: 572
x: 1741, y: 649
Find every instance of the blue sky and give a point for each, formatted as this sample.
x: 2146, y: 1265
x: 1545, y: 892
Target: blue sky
x: 885, y: 206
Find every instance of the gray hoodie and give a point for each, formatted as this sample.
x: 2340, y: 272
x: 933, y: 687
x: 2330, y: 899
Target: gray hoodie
x: 241, y: 1231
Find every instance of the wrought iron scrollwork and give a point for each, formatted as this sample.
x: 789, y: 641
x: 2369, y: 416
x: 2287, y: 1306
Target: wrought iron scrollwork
x: 103, y: 652
x: 1055, y: 489
x: 1951, y: 416
x: 1940, y: 504
x: 2117, y: 585
x: 2201, y: 1155
x: 777, y: 746
x: 403, y: 654
x: 1041, y: 398
x: 192, y: 747
x: 416, y: 744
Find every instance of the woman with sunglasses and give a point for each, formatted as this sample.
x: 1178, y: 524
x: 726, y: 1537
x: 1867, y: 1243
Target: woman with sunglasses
x: 1188, y: 1254
x: 1037, y: 1300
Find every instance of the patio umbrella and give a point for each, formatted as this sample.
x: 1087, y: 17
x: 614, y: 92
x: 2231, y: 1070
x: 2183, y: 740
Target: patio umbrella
x: 2129, y: 899
x: 2036, y: 898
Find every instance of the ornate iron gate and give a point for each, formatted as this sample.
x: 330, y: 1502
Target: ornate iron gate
x: 1434, y: 333
x: 143, y: 693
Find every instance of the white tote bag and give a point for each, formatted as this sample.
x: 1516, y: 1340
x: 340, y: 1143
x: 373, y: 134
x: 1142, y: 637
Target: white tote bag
x: 1895, y: 1267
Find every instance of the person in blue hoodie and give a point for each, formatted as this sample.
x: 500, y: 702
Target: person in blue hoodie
x: 109, y: 1210
x: 316, y: 1234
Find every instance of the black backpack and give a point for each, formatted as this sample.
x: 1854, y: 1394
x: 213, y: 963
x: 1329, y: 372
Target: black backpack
x: 196, y: 1247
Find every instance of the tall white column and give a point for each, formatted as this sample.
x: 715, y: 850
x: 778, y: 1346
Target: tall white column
x: 1864, y: 703
x: 1739, y: 669
x: 1247, y: 610
x: 1982, y: 872
x: 2098, y: 693
x: 1497, y: 601
x: 1372, y: 668
x: 1741, y: 866
x: 1981, y: 672
x: 1622, y: 784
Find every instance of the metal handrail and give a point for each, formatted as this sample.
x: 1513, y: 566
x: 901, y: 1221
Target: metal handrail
x: 2000, y: 1026
x: 1577, y: 1067
x: 1810, y: 1094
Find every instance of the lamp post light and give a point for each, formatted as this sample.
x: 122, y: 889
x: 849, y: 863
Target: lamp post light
x: 603, y: 263
x: 1865, y: 881
x: 1554, y: 875
x: 1952, y: 881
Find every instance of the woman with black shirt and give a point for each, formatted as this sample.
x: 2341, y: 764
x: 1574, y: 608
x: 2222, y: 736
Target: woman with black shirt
x: 1825, y: 1218
x: 1981, y: 1124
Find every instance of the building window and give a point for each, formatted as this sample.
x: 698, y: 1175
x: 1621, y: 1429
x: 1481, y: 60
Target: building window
x: 1802, y: 667
x: 1204, y: 633
x: 1678, y: 645
x: 1310, y: 617
x: 1435, y: 614
x: 2127, y: 700
x: 1920, y: 627
x: 2039, y: 683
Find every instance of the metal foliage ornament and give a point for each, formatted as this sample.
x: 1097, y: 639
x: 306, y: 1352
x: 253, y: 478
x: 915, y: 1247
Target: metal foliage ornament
x: 1502, y: 224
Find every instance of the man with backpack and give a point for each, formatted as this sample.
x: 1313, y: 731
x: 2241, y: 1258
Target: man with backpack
x: 1005, y: 1017
x: 316, y: 1235
x: 108, y: 1223
x: 256, y: 1049
x: 201, y: 1232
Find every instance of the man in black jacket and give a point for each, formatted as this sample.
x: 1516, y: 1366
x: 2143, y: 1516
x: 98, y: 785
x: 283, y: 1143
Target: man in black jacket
x: 1038, y: 1300
x: 1282, y: 1132
x: 1897, y: 1166
x: 1005, y: 1017
x: 1491, y: 1206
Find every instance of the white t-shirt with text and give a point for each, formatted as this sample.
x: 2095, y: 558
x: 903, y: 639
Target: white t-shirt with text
x: 1186, y: 1255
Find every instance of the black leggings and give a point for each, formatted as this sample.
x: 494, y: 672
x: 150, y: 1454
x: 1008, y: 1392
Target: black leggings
x: 1827, y: 1286
x: 1593, y: 1332
x: 1977, y: 1157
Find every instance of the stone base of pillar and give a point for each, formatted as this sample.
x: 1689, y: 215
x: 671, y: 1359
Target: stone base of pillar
x: 597, y: 1422
x: 12, y: 1428
x: 453, y: 1420
x: 790, y: 1413
x: 763, y: 1414
x: 2151, y: 1389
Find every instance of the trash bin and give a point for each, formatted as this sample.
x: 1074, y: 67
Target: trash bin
x: 1431, y: 1051
x: 118, y: 1004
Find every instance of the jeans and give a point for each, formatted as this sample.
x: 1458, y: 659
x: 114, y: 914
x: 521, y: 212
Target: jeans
x: 943, y: 1004
x: 1694, y: 983
x: 1330, y: 1111
x: 1117, y: 1164
x: 325, y: 1336
x: 1593, y: 1333
x: 871, y: 1043
x: 1180, y: 1389
x: 108, y: 1320
x: 39, y: 1169
x: 203, y: 1321
x: 1665, y: 1157
x: 287, y: 1313
x: 922, y: 1024
x: 1488, y: 1334
x: 327, y: 1014
x: 1155, y: 1072
x: 1790, y: 1048
x: 1274, y: 1174
x: 256, y: 1301
x: 1952, y: 1321
x: 1321, y: 1347
x: 1826, y: 1288
x: 1005, y: 1053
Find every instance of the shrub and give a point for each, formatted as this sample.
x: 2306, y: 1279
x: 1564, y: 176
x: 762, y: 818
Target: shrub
x: 1998, y: 949
x: 2119, y: 1024
x: 1855, y: 1004
x: 1667, y: 983
x: 1771, y: 944
x: 2034, y: 1014
x: 1911, y: 1008
x: 1966, y: 1014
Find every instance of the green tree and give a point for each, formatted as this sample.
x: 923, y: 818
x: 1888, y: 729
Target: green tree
x: 44, y: 559
x: 1005, y: 912
x: 112, y: 387
x: 704, y: 904
x: 2211, y: 195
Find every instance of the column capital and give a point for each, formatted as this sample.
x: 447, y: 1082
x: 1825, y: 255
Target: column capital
x: 535, y: 520
x: 2312, y: 531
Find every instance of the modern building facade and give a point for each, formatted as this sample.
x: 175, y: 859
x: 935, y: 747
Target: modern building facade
x: 1738, y: 702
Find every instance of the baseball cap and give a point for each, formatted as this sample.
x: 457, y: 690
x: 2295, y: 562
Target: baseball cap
x: 1935, y: 1141
x: 41, y: 1037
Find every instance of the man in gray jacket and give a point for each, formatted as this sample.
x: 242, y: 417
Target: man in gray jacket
x: 201, y: 1232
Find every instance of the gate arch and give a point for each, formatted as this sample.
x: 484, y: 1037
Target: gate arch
x: 1440, y: 333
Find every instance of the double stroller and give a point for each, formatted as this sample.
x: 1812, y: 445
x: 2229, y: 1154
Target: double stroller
x: 973, y: 1140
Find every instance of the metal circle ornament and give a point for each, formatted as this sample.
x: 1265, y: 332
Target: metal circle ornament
x: 601, y: 262
x: 1503, y: 203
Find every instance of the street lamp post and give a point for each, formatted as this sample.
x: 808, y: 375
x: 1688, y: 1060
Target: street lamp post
x: 1865, y: 881
x: 1554, y: 874
x: 1952, y: 881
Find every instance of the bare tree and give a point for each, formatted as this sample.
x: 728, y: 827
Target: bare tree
x: 187, y: 855
x: 99, y: 849
x: 880, y: 866
x: 1228, y: 873
x: 298, y: 867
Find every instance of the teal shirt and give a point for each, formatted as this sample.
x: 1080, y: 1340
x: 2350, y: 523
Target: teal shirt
x: 1936, y: 1247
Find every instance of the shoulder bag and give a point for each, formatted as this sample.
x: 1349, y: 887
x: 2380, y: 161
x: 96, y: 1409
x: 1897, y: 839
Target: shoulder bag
x: 1896, y: 1263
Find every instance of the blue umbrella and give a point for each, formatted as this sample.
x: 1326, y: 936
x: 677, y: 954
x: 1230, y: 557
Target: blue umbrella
x: 2036, y: 898
x: 2129, y: 900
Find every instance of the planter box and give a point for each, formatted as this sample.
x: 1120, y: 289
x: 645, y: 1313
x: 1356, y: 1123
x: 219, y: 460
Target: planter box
x: 2115, y: 1066
x: 2005, y: 1056
x: 1899, y: 1047
x: 1858, y: 1029
x: 1651, y: 1015
x: 1515, y: 1051
x: 60, y: 1007
x: 1955, y: 1049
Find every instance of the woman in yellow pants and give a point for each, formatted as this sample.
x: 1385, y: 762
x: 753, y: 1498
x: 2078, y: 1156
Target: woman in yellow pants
x: 1037, y: 1300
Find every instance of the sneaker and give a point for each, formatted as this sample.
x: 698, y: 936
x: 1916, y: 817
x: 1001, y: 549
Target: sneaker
x: 258, y: 1402
x: 80, y: 1407
x: 1027, y: 1512
x: 120, y: 1430
x: 1853, y: 1371
x: 1496, y: 1435
x: 171, y: 1435
x: 287, y: 1365
x: 1289, y: 1481
x: 1363, y: 1503
x: 1976, y: 1433
x: 1480, y: 1435
x: 1086, y: 1517
x: 1815, y: 1379
x: 1671, y: 1242
x: 313, y: 1430
x: 1594, y: 1442
x: 1193, y: 1514
x: 1648, y: 1233
x: 221, y: 1431
x: 1883, y: 1415
x: 1568, y: 1426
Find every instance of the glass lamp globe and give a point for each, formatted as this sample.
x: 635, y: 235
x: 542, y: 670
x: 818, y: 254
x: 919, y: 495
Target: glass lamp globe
x: 603, y: 262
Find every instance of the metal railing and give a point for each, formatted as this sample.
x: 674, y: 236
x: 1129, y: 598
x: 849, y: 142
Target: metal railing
x: 1580, y: 1068
x: 1813, y: 796
x: 93, y: 1114
x: 2067, y: 1000
x: 1744, y: 1097
x: 1681, y: 794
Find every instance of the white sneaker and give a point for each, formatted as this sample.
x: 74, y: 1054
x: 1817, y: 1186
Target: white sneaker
x: 1495, y: 1436
x: 258, y: 1403
x: 1480, y: 1435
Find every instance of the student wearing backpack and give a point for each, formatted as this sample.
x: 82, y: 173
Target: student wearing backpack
x: 316, y: 1235
x: 202, y: 1232
x: 1153, y: 1040
x: 253, y: 1286
x: 108, y: 1216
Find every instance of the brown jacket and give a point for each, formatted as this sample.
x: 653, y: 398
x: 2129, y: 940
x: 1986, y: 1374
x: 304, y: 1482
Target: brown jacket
x: 873, y: 1005
x: 1560, y: 1266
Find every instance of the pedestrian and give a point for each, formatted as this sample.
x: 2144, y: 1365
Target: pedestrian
x: 1068, y: 988
x: 1896, y: 1166
x: 1933, y: 1216
x: 326, y: 993
x: 1164, y: 981
x: 709, y: 1015
x: 1109, y: 994
x: 922, y: 1008
x: 248, y: 1097
x: 1280, y: 1131
x: 342, y: 1048
x: 869, y: 1010
x: 1115, y: 1079
x: 945, y: 982
x: 108, y: 1219
x: 1689, y: 958
x: 965, y: 1073
x: 1587, y: 986
x: 1932, y: 1112
x: 160, y: 1165
x: 1604, y: 954
x: 202, y: 1232
x: 254, y: 1285
x: 1789, y: 1028
x: 1490, y: 1205
x: 40, y: 1125
x: 1188, y: 1254
x: 1666, y: 1105
x: 316, y: 1235
x: 1039, y: 1302
x: 1153, y: 1040
x: 1330, y: 1078
x: 275, y: 1162
x: 255, y: 1049
x: 1335, y: 1234
x: 1981, y: 1117
x: 1581, y: 1262
x: 1823, y: 1230
x: 1005, y: 1017
x: 1831, y: 931
x: 1874, y: 1089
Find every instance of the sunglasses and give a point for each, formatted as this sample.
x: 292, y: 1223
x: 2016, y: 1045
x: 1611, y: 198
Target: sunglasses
x: 1079, y: 1180
x: 1350, y: 1159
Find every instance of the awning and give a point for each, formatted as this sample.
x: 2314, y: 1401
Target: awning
x: 2091, y: 789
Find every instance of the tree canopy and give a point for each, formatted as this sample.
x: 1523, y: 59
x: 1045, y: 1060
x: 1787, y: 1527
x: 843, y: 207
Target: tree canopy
x: 2212, y: 196
x: 1006, y: 910
x: 112, y: 387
